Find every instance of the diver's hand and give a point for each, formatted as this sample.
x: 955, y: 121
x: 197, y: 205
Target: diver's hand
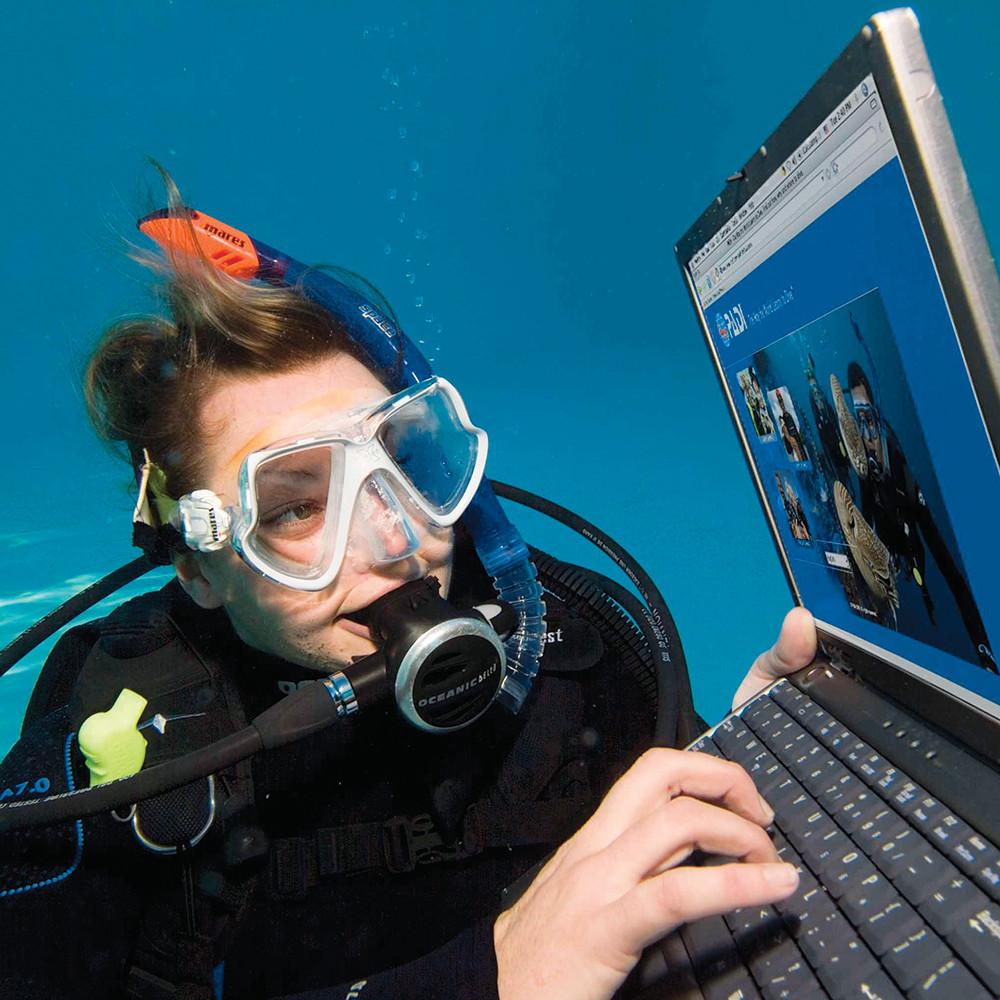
x: 616, y: 886
x: 795, y: 647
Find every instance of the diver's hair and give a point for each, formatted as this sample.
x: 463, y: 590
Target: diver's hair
x: 145, y: 381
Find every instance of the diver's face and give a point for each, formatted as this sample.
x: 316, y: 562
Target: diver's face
x: 307, y: 628
x: 868, y: 422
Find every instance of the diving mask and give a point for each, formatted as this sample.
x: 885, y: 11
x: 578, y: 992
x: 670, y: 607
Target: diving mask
x: 371, y: 477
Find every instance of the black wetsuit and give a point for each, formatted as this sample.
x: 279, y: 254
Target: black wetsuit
x: 893, y: 504
x: 364, y: 862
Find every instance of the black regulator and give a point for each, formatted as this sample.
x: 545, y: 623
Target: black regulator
x: 443, y: 666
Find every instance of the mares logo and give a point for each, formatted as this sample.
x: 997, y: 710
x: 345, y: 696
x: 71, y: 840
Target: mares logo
x: 436, y: 699
x: 223, y: 235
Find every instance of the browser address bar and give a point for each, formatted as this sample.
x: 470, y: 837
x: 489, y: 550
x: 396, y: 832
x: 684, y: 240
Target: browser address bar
x: 804, y: 199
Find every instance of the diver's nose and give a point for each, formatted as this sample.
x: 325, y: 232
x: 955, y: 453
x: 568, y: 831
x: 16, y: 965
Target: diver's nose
x: 382, y: 531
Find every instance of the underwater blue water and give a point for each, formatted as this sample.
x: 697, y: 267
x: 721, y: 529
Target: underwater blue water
x: 512, y: 177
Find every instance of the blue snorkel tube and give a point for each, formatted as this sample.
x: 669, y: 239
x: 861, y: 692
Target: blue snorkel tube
x: 498, y: 543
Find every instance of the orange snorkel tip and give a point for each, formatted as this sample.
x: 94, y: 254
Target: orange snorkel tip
x: 199, y: 235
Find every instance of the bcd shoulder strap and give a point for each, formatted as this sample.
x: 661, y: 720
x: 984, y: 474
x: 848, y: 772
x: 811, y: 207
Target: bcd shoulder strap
x: 193, y: 898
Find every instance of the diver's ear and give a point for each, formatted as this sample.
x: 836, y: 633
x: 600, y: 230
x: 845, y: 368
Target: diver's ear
x: 194, y: 582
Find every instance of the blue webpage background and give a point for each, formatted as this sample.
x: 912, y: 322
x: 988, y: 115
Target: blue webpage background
x: 872, y: 240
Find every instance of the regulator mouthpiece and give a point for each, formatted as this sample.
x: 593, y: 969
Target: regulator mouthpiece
x: 445, y: 665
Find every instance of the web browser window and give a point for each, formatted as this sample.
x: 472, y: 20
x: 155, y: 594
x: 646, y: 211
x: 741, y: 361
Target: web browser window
x: 835, y: 341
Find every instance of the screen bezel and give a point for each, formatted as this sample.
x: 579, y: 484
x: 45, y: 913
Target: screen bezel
x: 891, y: 49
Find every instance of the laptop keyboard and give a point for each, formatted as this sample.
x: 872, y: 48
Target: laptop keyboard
x: 898, y: 896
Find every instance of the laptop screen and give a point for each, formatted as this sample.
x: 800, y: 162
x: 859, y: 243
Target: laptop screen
x: 836, y: 345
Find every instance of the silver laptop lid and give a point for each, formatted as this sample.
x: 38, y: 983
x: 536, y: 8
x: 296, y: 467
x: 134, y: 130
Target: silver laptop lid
x: 851, y: 306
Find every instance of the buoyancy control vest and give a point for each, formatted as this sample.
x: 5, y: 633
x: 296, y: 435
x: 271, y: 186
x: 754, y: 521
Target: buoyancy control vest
x: 534, y: 779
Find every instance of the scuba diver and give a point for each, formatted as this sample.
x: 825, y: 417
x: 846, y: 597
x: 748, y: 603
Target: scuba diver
x: 893, y: 505
x: 832, y: 455
x: 337, y: 549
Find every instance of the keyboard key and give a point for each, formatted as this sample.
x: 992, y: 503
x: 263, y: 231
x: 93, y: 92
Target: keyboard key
x: 885, y: 928
x: 947, y: 831
x: 974, y: 852
x: 815, y: 719
x: 894, y: 854
x: 924, y: 813
x: 736, y: 984
x: 866, y: 897
x: 788, y: 696
x: 873, y: 768
x: 976, y: 938
x: 755, y: 929
x: 854, y: 753
x: 949, y: 982
x: 987, y: 877
x: 839, y: 790
x: 705, y: 745
x: 731, y: 736
x: 847, y: 870
x: 915, y: 958
x: 858, y: 809
x: 822, y: 769
x: 821, y: 852
x: 944, y: 908
x: 877, y: 986
x: 845, y: 962
x: 906, y: 796
x: 880, y: 827
x: 783, y: 974
x: 923, y: 872
x: 711, y: 947
x: 783, y: 795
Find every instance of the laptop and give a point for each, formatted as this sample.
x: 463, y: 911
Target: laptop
x: 851, y: 307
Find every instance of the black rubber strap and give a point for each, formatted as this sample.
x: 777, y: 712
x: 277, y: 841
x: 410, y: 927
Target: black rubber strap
x: 66, y: 612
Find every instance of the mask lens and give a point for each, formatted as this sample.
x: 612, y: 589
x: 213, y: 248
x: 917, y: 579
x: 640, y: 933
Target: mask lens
x: 296, y: 525
x: 432, y: 449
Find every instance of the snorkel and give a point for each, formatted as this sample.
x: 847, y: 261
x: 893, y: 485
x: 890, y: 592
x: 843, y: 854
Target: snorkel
x: 498, y: 544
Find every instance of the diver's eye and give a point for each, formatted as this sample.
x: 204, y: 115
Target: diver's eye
x: 293, y: 517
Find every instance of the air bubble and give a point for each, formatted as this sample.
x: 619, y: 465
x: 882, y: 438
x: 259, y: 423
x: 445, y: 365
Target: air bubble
x: 419, y: 302
x: 411, y: 277
x: 392, y: 194
x: 401, y: 217
x: 402, y: 132
x: 387, y: 249
x: 413, y: 196
x: 420, y: 235
x: 421, y: 341
x: 414, y: 166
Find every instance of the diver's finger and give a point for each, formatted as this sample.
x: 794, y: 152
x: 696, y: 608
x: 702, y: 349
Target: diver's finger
x: 660, y: 775
x: 671, y: 832
x: 794, y: 648
x: 657, y: 905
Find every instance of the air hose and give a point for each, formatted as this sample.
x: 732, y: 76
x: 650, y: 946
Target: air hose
x: 673, y: 683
